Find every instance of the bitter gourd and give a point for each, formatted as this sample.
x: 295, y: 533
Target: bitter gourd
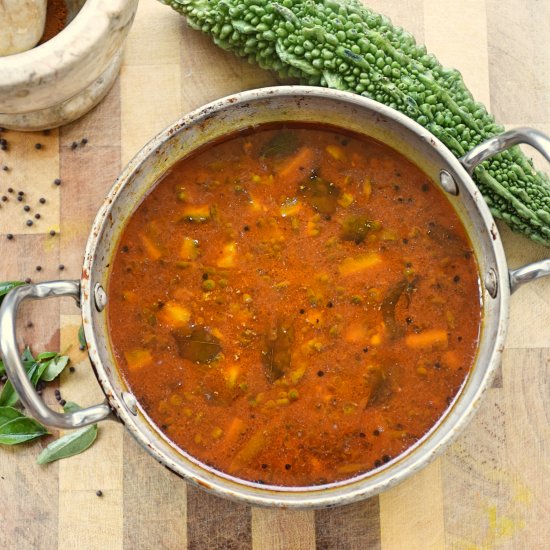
x: 342, y: 44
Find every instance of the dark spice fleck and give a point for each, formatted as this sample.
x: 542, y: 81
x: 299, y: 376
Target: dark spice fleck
x: 365, y: 350
x: 29, y: 222
x: 38, y: 146
x: 74, y: 145
x: 287, y: 466
x: 377, y: 463
x: 19, y: 198
x: 57, y: 394
x: 302, y: 311
x: 320, y: 373
x: 81, y: 347
x: 28, y: 280
x: 52, y: 232
x: 5, y: 168
x: 29, y: 324
x: 362, y: 434
x: 26, y: 208
x: 405, y: 241
x: 205, y: 276
x: 456, y: 278
x: 4, y: 198
x: 57, y: 181
x: 61, y: 267
x: 62, y: 402
x: 437, y: 365
x: 10, y: 189
x: 72, y: 369
x: 37, y: 216
x: 425, y: 187
x: 330, y: 304
x: 38, y: 268
x: 9, y: 236
x: 386, y: 458
x: 246, y: 228
x: 125, y: 249
x: 409, y: 320
x: 21, y: 193
x: 99, y: 493
x: 83, y: 141
x: 264, y: 466
x: 376, y: 432
x: 42, y: 200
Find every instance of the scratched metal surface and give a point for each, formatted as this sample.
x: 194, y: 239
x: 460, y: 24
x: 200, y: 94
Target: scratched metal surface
x: 490, y: 490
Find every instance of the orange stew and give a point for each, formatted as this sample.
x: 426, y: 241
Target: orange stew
x: 294, y: 305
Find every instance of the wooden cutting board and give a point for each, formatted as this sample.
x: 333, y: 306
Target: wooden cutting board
x: 491, y: 489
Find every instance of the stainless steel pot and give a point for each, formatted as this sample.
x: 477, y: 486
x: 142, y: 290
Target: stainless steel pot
x: 288, y: 103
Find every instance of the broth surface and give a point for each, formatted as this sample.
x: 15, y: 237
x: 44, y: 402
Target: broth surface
x: 294, y: 305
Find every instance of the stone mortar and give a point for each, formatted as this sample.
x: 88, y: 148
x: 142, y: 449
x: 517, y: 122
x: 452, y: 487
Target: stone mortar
x: 62, y: 79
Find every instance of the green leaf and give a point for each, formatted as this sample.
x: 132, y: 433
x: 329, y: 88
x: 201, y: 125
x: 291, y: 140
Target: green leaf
x: 44, y: 356
x: 2, y: 368
x: 9, y: 413
x: 20, y: 430
x: 71, y: 406
x: 54, y: 367
x: 6, y: 286
x: 81, y: 337
x: 69, y: 445
x: 8, y: 397
x: 27, y: 355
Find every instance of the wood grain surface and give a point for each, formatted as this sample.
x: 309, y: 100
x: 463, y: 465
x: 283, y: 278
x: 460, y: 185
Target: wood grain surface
x: 491, y: 489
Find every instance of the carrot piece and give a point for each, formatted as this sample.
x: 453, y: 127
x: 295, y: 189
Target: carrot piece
x: 174, y: 314
x: 302, y: 159
x: 433, y: 339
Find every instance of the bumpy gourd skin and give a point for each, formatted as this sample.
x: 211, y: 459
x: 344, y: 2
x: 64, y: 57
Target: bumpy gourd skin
x: 342, y: 44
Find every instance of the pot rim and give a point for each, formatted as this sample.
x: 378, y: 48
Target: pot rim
x: 375, y: 481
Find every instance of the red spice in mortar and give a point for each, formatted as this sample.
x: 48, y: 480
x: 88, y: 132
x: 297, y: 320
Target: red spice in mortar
x: 56, y: 18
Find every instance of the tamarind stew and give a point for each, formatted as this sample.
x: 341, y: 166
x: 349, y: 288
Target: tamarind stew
x: 294, y: 305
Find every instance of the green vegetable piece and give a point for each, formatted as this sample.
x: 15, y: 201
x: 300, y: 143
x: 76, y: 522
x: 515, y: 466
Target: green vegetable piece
x: 199, y: 346
x: 345, y: 45
x: 20, y: 429
x: 321, y: 194
x: 282, y: 144
x: 356, y: 227
x: 69, y: 445
x: 276, y: 357
x: 8, y: 397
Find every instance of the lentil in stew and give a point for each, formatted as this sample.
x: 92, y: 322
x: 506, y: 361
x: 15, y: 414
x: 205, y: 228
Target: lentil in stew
x: 294, y: 305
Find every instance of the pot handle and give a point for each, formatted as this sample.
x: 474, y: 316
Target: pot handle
x: 14, y: 366
x: 493, y: 146
x: 497, y: 144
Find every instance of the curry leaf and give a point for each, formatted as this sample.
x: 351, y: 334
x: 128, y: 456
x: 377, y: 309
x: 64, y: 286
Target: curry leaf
x: 20, y: 429
x: 8, y: 396
x: 69, y: 445
x: 81, y: 337
x: 9, y: 413
x: 27, y: 355
x: 54, y: 367
x: 46, y: 355
x: 6, y: 286
x: 2, y: 368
